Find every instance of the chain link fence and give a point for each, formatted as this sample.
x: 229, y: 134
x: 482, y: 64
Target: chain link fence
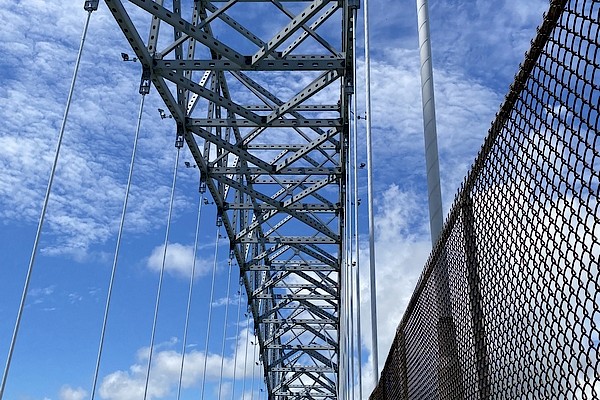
x: 508, y: 305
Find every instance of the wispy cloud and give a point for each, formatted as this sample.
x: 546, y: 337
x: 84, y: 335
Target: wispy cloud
x: 164, y: 377
x: 225, y: 301
x: 484, y: 40
x: 402, y: 245
x: 86, y: 199
x: 465, y: 108
x: 69, y: 393
x: 43, y: 297
x: 179, y: 260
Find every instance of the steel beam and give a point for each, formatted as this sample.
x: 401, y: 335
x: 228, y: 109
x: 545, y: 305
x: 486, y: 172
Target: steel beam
x: 272, y: 156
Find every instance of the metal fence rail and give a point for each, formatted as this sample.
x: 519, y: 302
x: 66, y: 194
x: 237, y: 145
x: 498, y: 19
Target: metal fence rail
x: 508, y: 305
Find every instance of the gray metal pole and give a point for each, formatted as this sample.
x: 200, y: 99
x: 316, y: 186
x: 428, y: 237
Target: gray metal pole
x: 430, y: 133
x: 449, y: 366
x: 355, y: 208
x: 370, y: 195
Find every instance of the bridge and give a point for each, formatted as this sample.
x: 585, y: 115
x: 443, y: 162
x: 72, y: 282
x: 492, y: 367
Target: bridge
x: 260, y: 102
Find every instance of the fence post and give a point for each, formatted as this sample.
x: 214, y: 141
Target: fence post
x: 450, y: 382
x: 475, y: 299
x: 403, y: 363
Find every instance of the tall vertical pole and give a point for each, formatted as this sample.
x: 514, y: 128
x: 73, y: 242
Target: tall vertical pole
x: 375, y: 357
x: 449, y: 368
x: 430, y: 132
x: 356, y: 264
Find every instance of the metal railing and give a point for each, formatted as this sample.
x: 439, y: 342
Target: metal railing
x: 508, y: 305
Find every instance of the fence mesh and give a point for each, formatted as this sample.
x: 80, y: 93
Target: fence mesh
x: 508, y: 305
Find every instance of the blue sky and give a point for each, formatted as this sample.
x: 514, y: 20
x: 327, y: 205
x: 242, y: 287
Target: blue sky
x: 477, y: 46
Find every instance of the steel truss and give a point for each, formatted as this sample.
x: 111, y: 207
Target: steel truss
x: 260, y: 92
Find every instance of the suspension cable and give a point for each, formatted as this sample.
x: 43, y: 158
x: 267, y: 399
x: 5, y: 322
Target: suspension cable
x: 351, y: 316
x: 358, y: 329
x: 237, y: 334
x: 372, y: 276
x: 355, y: 225
x: 117, y: 248
x: 348, y: 273
x: 225, y: 324
x: 253, y: 367
x: 246, y: 356
x: 350, y: 245
x: 342, y: 336
x: 89, y: 7
x: 212, y: 293
x: 162, y: 273
x: 190, y: 292
x: 343, y: 310
x: 344, y: 281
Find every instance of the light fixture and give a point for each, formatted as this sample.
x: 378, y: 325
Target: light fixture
x: 163, y: 115
x: 125, y: 57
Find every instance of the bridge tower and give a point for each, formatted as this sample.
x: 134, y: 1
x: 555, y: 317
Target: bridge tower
x: 260, y: 93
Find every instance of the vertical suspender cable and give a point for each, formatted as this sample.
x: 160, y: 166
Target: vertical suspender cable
x: 190, y: 293
x: 358, y: 330
x: 162, y: 273
x: 355, y: 200
x: 436, y: 217
x: 210, y: 305
x: 350, y: 191
x: 351, y: 316
x: 347, y: 269
x: 117, y: 248
x: 237, y: 334
x: 246, y: 355
x: 375, y: 355
x: 342, y: 336
x: 225, y: 327
x: 253, y: 367
x: 348, y: 264
x: 38, y: 233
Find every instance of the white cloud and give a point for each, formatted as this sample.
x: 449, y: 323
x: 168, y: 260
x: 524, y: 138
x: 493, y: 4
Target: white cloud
x: 402, y: 245
x: 88, y: 191
x: 178, y: 262
x: 45, y: 291
x: 222, y: 301
x: 482, y: 39
x: 465, y: 107
x: 43, y: 295
x: 69, y: 393
x: 164, y: 376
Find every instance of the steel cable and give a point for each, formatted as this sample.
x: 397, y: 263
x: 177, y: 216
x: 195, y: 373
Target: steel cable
x: 210, y: 305
x: 237, y: 334
x: 162, y: 273
x: 246, y: 356
x: 225, y: 327
x: 253, y: 368
x: 355, y: 209
x: 38, y: 233
x: 190, y: 292
x: 116, y: 255
x: 372, y: 275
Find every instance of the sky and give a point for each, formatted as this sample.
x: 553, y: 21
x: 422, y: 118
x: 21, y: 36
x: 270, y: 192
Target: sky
x: 477, y: 47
